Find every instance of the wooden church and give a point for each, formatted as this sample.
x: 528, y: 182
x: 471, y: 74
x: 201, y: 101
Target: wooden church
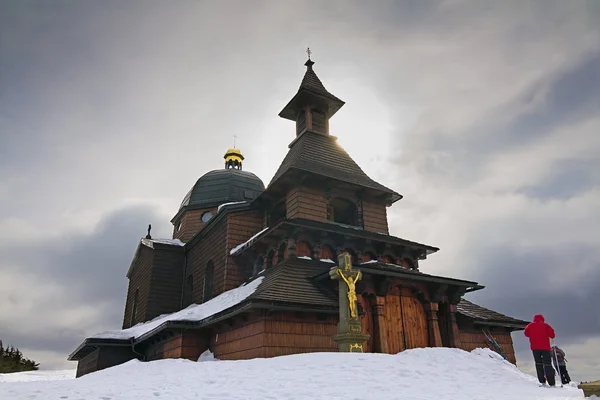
x: 246, y: 273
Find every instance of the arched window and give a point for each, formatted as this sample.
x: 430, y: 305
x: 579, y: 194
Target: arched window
x: 281, y: 254
x: 303, y: 249
x: 389, y: 259
x: 342, y: 211
x: 134, y: 308
x: 208, y: 281
x: 368, y: 256
x: 327, y: 252
x: 188, y: 293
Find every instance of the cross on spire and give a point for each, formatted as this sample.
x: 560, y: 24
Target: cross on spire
x: 308, y: 52
x: 234, y: 137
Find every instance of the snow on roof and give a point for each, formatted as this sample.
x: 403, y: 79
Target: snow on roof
x: 423, y: 374
x: 229, y: 204
x: 239, y: 246
x: 172, y: 242
x: 195, y: 312
x: 369, y: 262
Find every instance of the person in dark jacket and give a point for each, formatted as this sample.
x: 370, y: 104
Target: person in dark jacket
x: 559, y: 356
x: 539, y: 334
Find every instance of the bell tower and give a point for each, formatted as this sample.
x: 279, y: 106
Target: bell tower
x: 313, y: 105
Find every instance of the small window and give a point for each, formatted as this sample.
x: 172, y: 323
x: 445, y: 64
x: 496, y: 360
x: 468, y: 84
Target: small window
x: 179, y: 226
x: 206, y: 216
x: 342, y: 211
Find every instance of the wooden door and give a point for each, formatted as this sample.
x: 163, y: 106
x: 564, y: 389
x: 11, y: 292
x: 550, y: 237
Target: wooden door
x: 393, y: 323
x: 414, y: 320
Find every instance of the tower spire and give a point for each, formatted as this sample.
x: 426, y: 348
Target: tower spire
x: 313, y: 105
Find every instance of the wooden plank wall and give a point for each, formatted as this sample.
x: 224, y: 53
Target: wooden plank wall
x: 191, y: 223
x: 211, y: 247
x: 292, y: 333
x: 139, y: 279
x: 242, y: 341
x: 473, y: 339
x: 273, y: 335
x: 187, y: 344
x: 303, y: 202
x: 375, y: 217
x: 165, y: 282
x: 241, y: 226
x: 88, y: 364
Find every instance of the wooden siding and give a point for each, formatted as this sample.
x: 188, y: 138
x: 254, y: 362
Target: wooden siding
x: 303, y: 202
x: 472, y: 339
x: 292, y: 333
x: 165, y: 282
x: 191, y: 223
x: 241, y: 341
x: 102, y: 358
x: 186, y: 344
x: 139, y: 279
x: 273, y: 335
x: 241, y: 226
x: 88, y: 364
x: 375, y: 217
x: 211, y: 247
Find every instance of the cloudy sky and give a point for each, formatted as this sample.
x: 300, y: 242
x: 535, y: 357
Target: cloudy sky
x: 484, y: 115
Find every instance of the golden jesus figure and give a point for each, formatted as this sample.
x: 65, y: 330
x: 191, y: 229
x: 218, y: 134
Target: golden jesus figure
x: 351, y: 290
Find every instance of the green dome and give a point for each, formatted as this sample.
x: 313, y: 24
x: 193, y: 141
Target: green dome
x: 223, y: 186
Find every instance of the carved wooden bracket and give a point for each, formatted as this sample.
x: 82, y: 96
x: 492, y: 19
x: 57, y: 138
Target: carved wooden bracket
x: 383, y: 285
x: 439, y: 293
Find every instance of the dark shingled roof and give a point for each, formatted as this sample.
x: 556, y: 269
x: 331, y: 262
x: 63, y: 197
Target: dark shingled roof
x: 292, y: 282
x: 481, y: 314
x: 311, y: 91
x: 322, y: 155
x: 312, y: 83
x: 222, y: 186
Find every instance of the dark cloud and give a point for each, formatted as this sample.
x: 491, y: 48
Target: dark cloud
x: 88, y: 270
x: 566, y: 179
x: 560, y: 282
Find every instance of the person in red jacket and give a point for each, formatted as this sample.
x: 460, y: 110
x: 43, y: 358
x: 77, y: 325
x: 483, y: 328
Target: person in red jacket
x: 539, y: 334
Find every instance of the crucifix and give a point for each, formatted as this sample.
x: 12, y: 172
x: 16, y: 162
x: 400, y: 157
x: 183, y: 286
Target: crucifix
x: 349, y: 337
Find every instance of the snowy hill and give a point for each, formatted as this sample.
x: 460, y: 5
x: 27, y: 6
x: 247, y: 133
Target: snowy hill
x: 417, y: 374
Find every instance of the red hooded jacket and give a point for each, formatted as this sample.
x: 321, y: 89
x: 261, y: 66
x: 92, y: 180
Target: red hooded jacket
x: 539, y: 333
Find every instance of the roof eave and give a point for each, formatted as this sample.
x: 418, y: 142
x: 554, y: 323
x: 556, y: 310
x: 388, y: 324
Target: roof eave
x: 333, y: 103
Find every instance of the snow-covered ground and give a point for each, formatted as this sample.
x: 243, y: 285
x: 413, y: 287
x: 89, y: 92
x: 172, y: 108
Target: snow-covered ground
x: 29, y: 376
x: 414, y: 375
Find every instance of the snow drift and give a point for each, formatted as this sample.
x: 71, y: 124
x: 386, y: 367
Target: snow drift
x: 418, y: 374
